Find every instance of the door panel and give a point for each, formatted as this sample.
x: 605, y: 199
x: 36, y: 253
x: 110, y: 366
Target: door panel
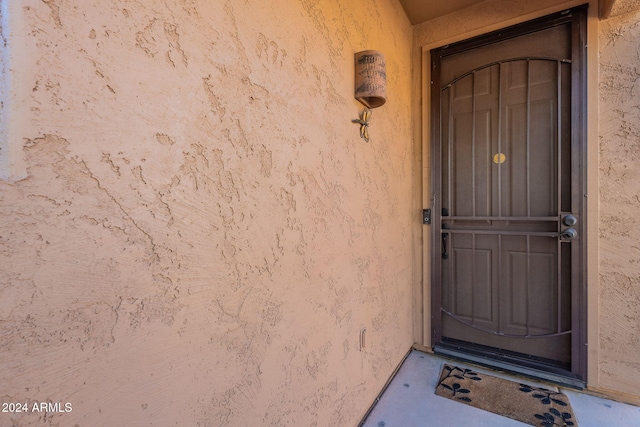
x: 506, y: 149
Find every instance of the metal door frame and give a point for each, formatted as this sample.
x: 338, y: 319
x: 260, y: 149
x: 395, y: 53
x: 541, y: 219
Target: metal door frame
x: 578, y: 19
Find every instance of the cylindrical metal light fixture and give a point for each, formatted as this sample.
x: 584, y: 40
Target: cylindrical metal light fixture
x: 371, y: 78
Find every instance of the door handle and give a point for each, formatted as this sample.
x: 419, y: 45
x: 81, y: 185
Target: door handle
x: 445, y: 254
x: 568, y: 234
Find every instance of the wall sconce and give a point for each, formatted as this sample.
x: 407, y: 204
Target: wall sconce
x: 370, y: 85
x: 371, y: 78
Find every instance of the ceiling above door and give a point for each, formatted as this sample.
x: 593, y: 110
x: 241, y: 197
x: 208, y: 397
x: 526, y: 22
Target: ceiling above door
x: 420, y: 11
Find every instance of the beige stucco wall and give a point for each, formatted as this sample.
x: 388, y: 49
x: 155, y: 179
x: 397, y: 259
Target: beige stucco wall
x: 620, y: 203
x: 200, y: 233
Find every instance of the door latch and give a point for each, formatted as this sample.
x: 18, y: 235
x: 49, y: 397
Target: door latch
x: 426, y: 216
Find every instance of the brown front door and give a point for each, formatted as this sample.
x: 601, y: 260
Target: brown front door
x: 508, y: 166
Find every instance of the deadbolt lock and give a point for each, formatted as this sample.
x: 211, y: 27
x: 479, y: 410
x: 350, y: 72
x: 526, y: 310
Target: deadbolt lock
x: 569, y: 220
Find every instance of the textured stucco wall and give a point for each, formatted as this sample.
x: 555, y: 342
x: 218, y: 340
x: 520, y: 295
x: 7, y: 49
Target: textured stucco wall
x: 620, y: 203
x: 201, y: 232
x: 620, y: 7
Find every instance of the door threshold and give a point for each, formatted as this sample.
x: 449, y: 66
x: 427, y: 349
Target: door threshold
x: 557, y: 376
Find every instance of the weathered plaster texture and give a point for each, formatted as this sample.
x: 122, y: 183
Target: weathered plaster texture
x: 620, y: 203
x: 620, y: 7
x: 201, y: 233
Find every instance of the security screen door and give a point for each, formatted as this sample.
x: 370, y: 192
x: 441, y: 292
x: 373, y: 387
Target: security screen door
x: 508, y: 196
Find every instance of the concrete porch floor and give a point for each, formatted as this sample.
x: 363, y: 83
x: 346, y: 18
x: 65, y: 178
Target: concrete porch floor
x: 410, y: 401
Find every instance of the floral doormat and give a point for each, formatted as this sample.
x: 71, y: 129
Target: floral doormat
x: 531, y: 405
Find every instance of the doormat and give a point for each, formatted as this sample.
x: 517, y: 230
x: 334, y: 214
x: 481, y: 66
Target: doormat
x: 531, y: 405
